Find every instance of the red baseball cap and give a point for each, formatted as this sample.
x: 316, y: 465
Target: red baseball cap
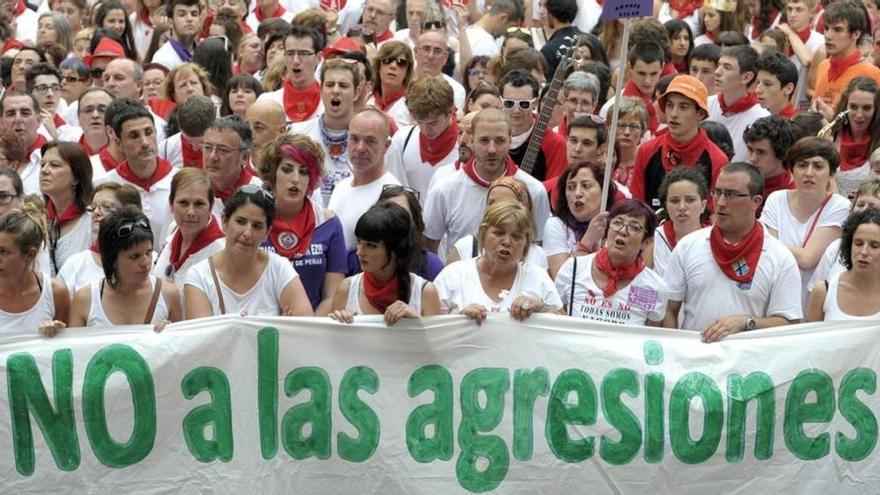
x: 106, y: 48
x: 340, y: 47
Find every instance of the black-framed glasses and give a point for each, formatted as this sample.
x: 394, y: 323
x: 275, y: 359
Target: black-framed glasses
x: 727, y: 194
x: 7, y: 197
x: 523, y: 104
x: 128, y: 229
x: 105, y: 208
x: 42, y: 88
x: 97, y: 73
x: 259, y: 190
x: 400, y: 61
x: 298, y: 53
x: 395, y: 189
x: 632, y: 228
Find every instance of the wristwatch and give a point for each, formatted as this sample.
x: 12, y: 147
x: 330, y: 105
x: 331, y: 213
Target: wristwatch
x: 751, y: 324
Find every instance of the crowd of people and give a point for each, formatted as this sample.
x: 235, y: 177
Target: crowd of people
x: 409, y: 158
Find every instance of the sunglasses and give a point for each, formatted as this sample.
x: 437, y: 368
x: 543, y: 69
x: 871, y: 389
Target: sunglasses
x: 400, y: 61
x: 71, y: 79
x: 523, y: 104
x: 433, y: 25
x: 127, y: 230
x: 394, y: 190
x: 96, y: 73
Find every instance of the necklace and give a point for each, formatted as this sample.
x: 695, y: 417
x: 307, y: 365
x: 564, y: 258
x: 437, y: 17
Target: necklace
x: 336, y: 143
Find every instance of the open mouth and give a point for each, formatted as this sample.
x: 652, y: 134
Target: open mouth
x: 335, y: 103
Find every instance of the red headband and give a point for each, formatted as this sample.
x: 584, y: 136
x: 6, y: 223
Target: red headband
x: 306, y: 158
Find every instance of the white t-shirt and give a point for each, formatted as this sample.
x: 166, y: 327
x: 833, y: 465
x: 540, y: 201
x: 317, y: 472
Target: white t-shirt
x: 736, y: 124
x: 692, y: 20
x: 350, y: 202
x: 171, y: 149
x: 165, y: 270
x: 80, y: 271
x: 406, y: 162
x: 167, y: 57
x: 777, y: 215
x: 29, y: 321
x: 662, y: 251
x: 482, y: 42
x: 98, y: 318
x: 155, y: 203
x: 536, y: 255
x: 694, y: 278
x: 831, y: 308
x: 558, y: 238
x: 458, y: 93
x: 254, y: 23
x: 397, y: 111
x: 459, y: 285
x: 702, y: 40
x: 74, y: 241
x: 30, y: 175
x: 260, y: 300
x: 26, y: 26
x: 643, y: 299
x: 143, y: 34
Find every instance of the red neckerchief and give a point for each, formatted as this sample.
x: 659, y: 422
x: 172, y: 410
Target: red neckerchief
x: 756, y: 23
x: 244, y: 178
x: 88, y: 149
x: 107, y: 159
x: 20, y: 8
x: 618, y: 274
x: 780, y: 182
x: 788, y: 112
x: 161, y: 106
x: 95, y: 247
x: 685, y: 7
x: 380, y: 294
x: 740, y: 262
x: 58, y: 121
x: 236, y: 69
x: 10, y: 44
x: 433, y: 150
x: 673, y: 153
x: 300, y: 104
x: 209, y: 234
x: 37, y: 144
x: 668, y: 69
x: 192, y: 156
x: 70, y: 213
x: 144, y: 16
x: 669, y: 230
x: 632, y: 90
x: 803, y: 35
x: 739, y: 106
x: 385, y: 103
x: 711, y: 36
x: 681, y: 67
x: 387, y: 35
x: 839, y: 65
x: 245, y: 29
x: 292, y: 239
x: 278, y: 12
x: 469, y: 170
x: 163, y: 168
x: 853, y: 154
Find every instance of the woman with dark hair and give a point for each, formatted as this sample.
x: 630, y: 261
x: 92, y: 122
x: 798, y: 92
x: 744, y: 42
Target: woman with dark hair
x: 128, y: 294
x: 719, y: 135
x: 161, y: 35
x: 241, y: 92
x: 29, y: 300
x: 483, y: 96
x: 386, y: 244
x: 304, y: 232
x: 66, y: 183
x: 613, y: 285
x: 516, y: 37
x: 242, y: 278
x: 111, y: 16
x: 764, y: 14
x: 859, y: 135
x: 527, y: 59
x: 475, y: 72
x: 684, y: 195
x: 714, y: 22
x: 109, y: 33
x: 214, y: 57
x: 855, y: 293
x: 576, y: 226
x: 75, y: 12
x: 681, y: 45
x: 392, y: 72
x: 11, y: 191
x: 587, y: 48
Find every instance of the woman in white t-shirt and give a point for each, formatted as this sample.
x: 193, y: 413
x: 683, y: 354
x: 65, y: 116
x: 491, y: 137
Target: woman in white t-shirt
x: 66, y: 183
x: 859, y: 136
x: 128, y: 294
x: 808, y: 218
x: 242, y: 278
x: 614, y: 285
x: 498, y: 280
x: 386, y: 246
x: 683, y: 194
x: 855, y: 293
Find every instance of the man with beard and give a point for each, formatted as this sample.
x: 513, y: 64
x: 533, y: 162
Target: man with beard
x: 21, y: 112
x: 300, y: 94
x: 186, y: 22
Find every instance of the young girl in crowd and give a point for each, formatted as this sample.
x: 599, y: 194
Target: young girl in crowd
x: 66, y: 183
x: 684, y: 196
x: 860, y: 134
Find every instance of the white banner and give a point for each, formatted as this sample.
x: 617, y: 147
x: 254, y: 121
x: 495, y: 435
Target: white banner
x: 272, y: 405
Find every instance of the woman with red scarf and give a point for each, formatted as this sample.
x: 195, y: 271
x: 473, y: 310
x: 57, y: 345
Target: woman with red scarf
x: 860, y: 134
x: 392, y: 72
x: 386, y: 245
x: 613, y: 285
x: 765, y: 14
x: 66, y: 184
x: 197, y: 234
x: 304, y: 232
x: 684, y: 195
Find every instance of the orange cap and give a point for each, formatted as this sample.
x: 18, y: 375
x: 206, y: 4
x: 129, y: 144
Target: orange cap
x: 689, y: 87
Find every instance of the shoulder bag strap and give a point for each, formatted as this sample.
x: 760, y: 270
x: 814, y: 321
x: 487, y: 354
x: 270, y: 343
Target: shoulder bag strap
x: 406, y: 141
x: 217, y: 285
x: 152, y: 308
x: 816, y: 219
x: 574, y: 270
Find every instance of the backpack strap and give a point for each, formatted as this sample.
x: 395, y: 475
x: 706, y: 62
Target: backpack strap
x: 153, y: 302
x: 474, y: 247
x: 217, y: 285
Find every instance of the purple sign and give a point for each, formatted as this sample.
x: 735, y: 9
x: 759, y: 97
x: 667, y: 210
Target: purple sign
x: 621, y: 9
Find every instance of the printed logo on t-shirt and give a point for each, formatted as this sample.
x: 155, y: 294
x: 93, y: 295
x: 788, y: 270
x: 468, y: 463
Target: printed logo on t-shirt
x: 644, y: 298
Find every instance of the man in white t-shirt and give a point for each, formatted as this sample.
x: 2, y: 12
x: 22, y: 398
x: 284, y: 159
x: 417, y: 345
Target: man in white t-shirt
x: 803, y: 42
x: 418, y: 151
x: 482, y: 34
x: 300, y: 93
x: 186, y: 21
x: 733, y: 276
x: 354, y: 195
x: 431, y: 54
x: 456, y: 201
x: 21, y: 113
x: 26, y: 20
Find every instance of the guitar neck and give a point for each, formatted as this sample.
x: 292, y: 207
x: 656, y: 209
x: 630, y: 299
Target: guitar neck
x: 537, y: 137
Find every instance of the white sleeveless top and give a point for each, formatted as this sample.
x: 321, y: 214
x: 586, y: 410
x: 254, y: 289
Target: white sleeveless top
x: 354, y: 292
x: 832, y: 309
x: 29, y: 321
x: 98, y: 318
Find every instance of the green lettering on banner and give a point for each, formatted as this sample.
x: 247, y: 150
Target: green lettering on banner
x: 857, y: 414
x: 216, y: 414
x: 315, y: 412
x: 28, y: 396
x: 438, y: 414
x: 527, y: 386
x: 267, y: 390
x: 797, y: 412
x: 620, y: 417
x: 494, y: 383
x: 739, y: 392
x: 655, y: 384
x: 360, y: 415
x: 560, y: 413
x: 688, y: 387
x: 111, y: 359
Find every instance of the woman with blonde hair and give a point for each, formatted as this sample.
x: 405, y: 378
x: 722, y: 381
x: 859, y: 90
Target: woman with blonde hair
x: 392, y: 72
x: 53, y: 27
x: 186, y: 80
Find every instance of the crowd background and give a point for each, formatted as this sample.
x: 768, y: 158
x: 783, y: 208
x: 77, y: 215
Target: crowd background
x: 168, y: 161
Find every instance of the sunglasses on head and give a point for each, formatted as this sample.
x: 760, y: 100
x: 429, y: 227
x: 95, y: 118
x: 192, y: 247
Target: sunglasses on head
x: 255, y: 189
x: 400, y: 61
x: 394, y: 190
x: 127, y: 230
x: 524, y: 104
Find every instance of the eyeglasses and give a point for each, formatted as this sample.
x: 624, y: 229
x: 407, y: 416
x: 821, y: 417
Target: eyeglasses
x: 523, y: 104
x: 632, y: 228
x: 433, y: 25
x: 432, y: 50
x: 298, y: 53
x: 728, y: 195
x: 126, y: 230
x: 104, y: 208
x: 7, y: 197
x: 575, y: 103
x: 71, y: 79
x: 96, y: 73
x: 400, y: 61
x: 208, y: 148
x: 476, y: 71
x: 42, y: 88
x: 394, y: 190
x: 629, y: 127
x: 255, y: 189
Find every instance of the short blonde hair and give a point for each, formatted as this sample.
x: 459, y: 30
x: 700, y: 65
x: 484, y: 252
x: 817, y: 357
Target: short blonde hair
x: 635, y: 107
x: 507, y: 212
x: 186, y: 69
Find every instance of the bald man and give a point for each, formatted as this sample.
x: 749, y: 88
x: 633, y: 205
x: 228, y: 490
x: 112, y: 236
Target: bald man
x: 431, y: 54
x: 267, y: 121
